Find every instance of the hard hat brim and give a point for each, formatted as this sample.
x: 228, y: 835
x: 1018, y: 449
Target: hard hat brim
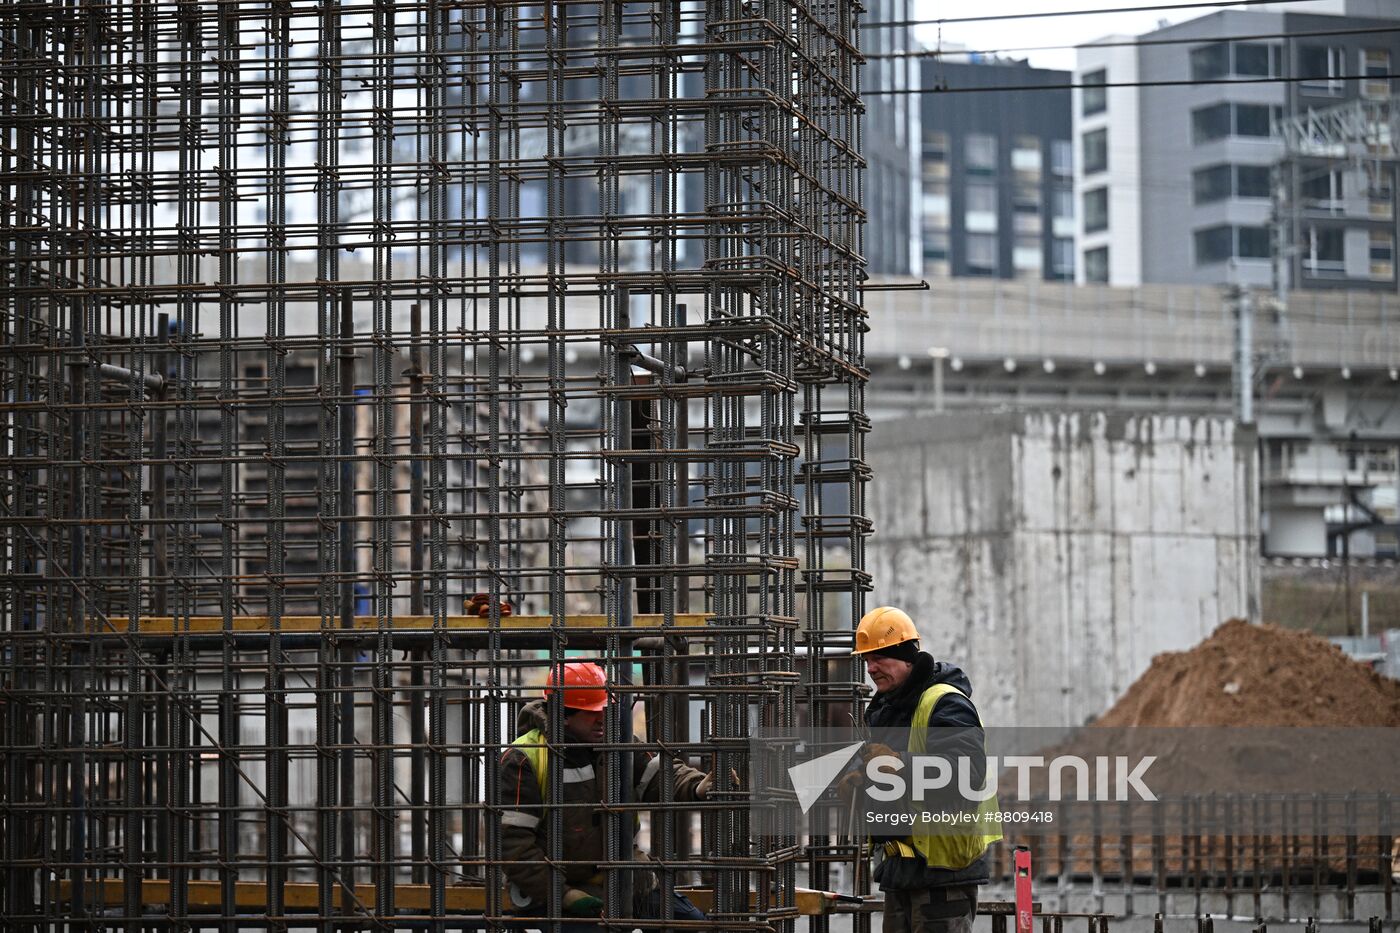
x: 874, y: 648
x: 592, y: 706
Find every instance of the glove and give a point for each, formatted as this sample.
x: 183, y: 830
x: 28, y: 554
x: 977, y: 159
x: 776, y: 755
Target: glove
x: 582, y: 904
x: 876, y: 750
x: 480, y: 605
x: 707, y: 784
x: 848, y: 786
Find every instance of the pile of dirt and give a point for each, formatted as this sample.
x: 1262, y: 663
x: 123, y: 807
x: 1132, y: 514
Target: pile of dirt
x: 1258, y: 675
x: 1252, y: 678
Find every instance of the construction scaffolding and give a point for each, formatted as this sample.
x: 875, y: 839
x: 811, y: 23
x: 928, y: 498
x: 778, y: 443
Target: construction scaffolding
x: 362, y: 360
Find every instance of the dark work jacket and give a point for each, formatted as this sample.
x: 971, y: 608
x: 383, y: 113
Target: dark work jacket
x: 524, y: 827
x: 894, y: 709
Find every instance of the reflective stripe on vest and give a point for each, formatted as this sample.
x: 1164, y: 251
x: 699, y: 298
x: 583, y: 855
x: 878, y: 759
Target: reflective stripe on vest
x: 954, y: 852
x: 532, y: 746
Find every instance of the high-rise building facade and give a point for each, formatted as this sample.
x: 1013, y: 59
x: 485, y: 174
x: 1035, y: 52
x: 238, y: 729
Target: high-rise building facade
x: 997, y: 195
x: 890, y: 136
x: 1179, y: 153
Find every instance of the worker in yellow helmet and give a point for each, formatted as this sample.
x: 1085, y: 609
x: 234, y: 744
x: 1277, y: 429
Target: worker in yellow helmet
x: 929, y: 881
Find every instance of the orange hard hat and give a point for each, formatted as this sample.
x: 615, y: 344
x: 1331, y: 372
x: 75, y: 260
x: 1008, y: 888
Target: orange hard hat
x: 583, y: 685
x: 884, y: 628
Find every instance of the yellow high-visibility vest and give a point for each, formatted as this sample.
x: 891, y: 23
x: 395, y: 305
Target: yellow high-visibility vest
x: 946, y: 850
x: 536, y: 751
x: 532, y: 744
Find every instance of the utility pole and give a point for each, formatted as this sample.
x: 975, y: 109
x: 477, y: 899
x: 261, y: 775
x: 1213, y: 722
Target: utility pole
x: 1243, y: 300
x: 1281, y: 178
x: 1346, y: 550
x: 939, y: 355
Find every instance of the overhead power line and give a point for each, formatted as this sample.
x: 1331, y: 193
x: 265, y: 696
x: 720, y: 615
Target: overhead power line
x: 1151, y: 8
x: 1186, y: 82
x: 942, y: 54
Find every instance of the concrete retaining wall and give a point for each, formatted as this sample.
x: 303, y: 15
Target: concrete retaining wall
x: 1052, y: 555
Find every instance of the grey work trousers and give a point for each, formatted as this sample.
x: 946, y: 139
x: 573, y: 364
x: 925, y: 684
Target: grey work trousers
x: 931, y: 910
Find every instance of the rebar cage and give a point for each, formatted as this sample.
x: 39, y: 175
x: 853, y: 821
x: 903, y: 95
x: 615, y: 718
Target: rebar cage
x: 364, y: 358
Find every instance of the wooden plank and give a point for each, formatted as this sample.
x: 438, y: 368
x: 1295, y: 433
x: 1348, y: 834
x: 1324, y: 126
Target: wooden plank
x: 303, y: 896
x: 810, y: 902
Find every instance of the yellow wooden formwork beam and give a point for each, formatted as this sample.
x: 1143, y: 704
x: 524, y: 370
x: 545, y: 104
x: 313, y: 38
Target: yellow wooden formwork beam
x: 810, y: 902
x: 300, y: 625
x: 303, y: 895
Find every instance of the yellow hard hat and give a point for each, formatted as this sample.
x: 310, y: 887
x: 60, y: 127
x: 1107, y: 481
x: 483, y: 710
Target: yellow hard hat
x: 884, y: 628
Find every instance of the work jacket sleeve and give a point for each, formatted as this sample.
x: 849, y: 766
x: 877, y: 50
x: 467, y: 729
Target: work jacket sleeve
x: 522, y: 815
x: 955, y: 732
x: 647, y: 768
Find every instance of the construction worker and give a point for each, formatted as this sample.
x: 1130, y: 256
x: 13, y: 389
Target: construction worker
x: 929, y: 881
x: 581, y: 690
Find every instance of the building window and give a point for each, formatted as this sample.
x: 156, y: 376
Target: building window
x: 1252, y: 181
x: 981, y: 153
x: 1239, y: 59
x: 1375, y: 65
x: 1096, y: 265
x: 1382, y: 254
x: 1322, y: 190
x: 1096, y: 151
x: 1217, y: 182
x: 1096, y: 210
x: 1027, y: 257
x: 1321, y: 68
x: 1062, y: 258
x: 981, y: 209
x: 1210, y: 61
x: 1220, y: 120
x: 1062, y: 212
x: 936, y: 252
x: 1025, y: 158
x: 1252, y: 119
x: 1212, y: 184
x: 1214, y: 244
x: 1224, y: 242
x: 935, y: 245
x: 1253, y: 243
x: 1025, y: 208
x: 1380, y: 192
x: 935, y: 206
x: 1256, y: 60
x: 1325, y: 251
x: 1209, y: 123
x: 1095, y: 94
x: 935, y: 154
x: 981, y: 254
x: 1062, y: 157
x: 982, y: 198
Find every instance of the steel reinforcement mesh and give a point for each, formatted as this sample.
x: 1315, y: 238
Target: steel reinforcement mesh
x: 364, y: 358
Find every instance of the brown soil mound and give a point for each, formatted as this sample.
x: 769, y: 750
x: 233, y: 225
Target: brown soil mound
x: 1258, y: 675
x: 1242, y: 675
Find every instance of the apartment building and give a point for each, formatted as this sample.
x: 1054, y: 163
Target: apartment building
x: 997, y: 180
x: 1179, y: 180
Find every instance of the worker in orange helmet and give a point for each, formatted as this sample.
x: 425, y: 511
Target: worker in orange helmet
x: 581, y: 691
x: 929, y: 881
